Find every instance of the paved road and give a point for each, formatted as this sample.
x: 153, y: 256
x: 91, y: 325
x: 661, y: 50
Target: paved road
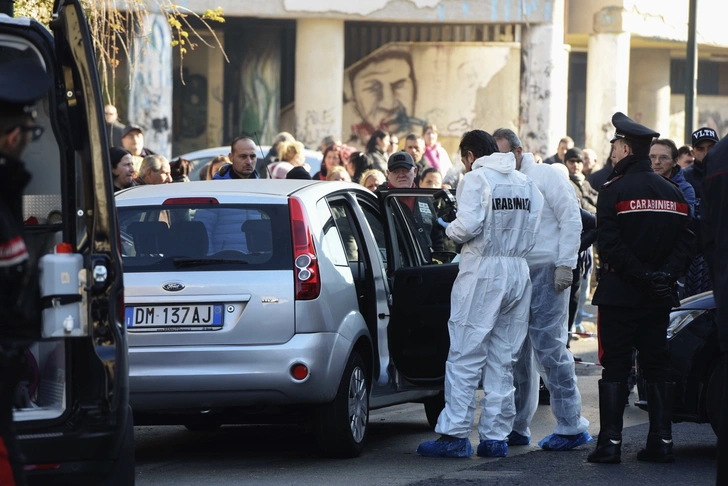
x: 285, y: 455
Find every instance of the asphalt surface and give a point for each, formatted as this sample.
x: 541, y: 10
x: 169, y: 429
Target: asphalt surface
x: 287, y: 455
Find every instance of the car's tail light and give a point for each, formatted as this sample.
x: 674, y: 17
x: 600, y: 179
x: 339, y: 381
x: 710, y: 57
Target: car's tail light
x: 308, y: 282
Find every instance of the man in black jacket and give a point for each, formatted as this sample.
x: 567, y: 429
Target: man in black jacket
x: 22, y: 83
x: 645, y: 245
x: 714, y: 225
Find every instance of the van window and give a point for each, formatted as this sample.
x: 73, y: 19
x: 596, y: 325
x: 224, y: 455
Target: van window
x: 205, y: 238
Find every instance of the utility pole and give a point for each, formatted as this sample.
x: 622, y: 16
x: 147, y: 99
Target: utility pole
x: 691, y: 72
x: 6, y: 7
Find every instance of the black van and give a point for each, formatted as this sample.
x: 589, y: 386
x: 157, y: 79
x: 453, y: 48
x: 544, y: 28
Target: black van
x: 72, y: 413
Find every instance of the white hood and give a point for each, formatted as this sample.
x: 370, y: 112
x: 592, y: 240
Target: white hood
x: 503, y: 163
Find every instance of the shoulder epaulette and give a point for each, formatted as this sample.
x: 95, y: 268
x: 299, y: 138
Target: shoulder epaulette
x: 611, y: 181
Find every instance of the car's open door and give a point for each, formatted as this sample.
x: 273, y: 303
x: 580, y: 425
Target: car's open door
x: 73, y: 417
x: 421, y: 279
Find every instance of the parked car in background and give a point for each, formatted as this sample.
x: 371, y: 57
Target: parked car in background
x: 201, y: 157
x: 692, y: 339
x: 248, y: 300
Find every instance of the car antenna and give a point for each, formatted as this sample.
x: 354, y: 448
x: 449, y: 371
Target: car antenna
x: 255, y: 134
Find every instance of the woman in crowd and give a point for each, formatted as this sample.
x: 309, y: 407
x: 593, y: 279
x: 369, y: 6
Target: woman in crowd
x: 338, y: 174
x: 211, y: 168
x: 435, y: 155
x: 332, y: 158
x: 356, y: 165
x: 372, y: 179
x: 376, y: 150
x: 430, y: 179
x: 291, y: 155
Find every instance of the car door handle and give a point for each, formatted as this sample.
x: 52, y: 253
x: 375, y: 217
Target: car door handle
x: 413, y: 280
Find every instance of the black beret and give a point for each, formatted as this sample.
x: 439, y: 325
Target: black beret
x: 22, y: 83
x: 629, y: 129
x: 574, y: 153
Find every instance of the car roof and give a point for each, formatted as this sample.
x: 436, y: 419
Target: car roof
x: 231, y: 191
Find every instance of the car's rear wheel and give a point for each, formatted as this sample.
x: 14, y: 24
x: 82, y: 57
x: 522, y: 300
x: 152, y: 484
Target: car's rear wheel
x: 433, y: 407
x: 342, y: 424
x: 713, y: 396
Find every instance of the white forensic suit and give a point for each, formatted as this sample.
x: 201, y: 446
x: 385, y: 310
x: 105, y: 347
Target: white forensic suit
x: 558, y: 245
x: 498, y: 215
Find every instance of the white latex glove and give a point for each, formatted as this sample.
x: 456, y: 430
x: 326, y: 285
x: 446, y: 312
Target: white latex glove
x: 563, y: 276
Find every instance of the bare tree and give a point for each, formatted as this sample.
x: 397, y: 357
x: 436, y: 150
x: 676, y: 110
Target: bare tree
x: 116, y: 25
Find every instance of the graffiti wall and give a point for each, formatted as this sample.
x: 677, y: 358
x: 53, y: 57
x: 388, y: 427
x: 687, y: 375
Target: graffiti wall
x: 150, y: 97
x: 253, y: 80
x: 457, y: 87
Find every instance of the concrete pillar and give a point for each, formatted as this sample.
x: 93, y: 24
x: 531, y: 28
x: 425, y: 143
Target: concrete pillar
x: 544, y: 84
x: 150, y: 96
x: 649, y: 89
x: 319, y: 79
x: 607, y: 87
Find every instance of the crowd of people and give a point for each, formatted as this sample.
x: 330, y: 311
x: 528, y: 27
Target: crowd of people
x: 528, y: 238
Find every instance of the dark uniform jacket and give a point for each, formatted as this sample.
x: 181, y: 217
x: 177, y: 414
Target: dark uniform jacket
x: 643, y: 226
x: 714, y: 224
x: 19, y: 298
x: 598, y: 178
x: 695, y: 174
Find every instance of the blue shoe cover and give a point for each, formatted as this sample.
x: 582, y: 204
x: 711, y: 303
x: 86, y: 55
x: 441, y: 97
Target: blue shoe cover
x: 493, y: 448
x: 555, y: 442
x: 446, y: 448
x: 516, y: 439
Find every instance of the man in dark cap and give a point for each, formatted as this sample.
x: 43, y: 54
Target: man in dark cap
x: 714, y: 225
x: 645, y: 245
x: 703, y: 140
x: 22, y: 83
x: 698, y: 277
x: 401, y: 174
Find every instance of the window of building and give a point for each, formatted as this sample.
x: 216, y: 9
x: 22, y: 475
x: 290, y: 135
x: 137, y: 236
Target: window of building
x: 711, y: 75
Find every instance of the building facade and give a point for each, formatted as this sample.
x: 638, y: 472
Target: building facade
x: 544, y: 68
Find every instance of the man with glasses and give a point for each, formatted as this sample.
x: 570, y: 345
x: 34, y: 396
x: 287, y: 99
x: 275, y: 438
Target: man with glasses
x: 22, y: 83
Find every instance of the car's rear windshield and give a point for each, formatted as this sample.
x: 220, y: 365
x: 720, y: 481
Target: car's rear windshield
x: 214, y: 237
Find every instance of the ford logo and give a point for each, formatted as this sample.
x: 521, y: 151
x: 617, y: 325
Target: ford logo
x: 173, y: 286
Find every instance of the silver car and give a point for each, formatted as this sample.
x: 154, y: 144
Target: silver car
x: 251, y: 299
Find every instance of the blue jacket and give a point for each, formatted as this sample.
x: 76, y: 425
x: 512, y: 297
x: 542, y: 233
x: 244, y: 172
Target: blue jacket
x: 227, y: 172
x: 678, y: 176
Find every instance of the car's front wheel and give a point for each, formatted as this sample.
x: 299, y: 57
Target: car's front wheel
x: 342, y: 424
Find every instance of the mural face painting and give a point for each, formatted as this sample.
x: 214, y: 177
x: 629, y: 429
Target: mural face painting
x: 384, y: 94
x: 464, y: 86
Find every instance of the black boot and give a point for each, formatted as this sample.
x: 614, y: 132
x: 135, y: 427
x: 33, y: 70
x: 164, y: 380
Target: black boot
x: 660, y: 398
x: 611, y: 408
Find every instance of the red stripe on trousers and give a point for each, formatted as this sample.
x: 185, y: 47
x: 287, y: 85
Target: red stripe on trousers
x: 6, y: 470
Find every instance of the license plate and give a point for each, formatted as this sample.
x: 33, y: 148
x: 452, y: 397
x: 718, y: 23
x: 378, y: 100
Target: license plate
x: 174, y: 316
